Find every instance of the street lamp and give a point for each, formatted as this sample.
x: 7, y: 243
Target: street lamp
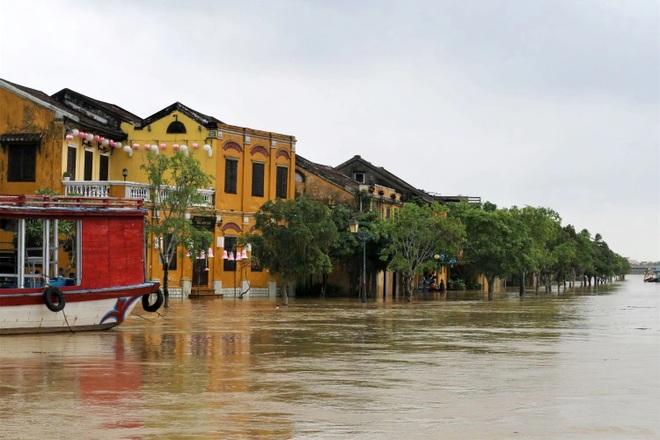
x: 236, y: 257
x: 361, y: 234
x: 124, y: 174
x: 440, y: 261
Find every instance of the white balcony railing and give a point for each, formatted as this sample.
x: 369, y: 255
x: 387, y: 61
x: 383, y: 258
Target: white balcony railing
x: 132, y: 190
x: 87, y: 189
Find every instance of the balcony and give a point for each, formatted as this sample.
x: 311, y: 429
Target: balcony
x: 115, y: 188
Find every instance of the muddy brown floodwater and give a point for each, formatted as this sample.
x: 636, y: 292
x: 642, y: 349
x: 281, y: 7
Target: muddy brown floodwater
x: 581, y: 365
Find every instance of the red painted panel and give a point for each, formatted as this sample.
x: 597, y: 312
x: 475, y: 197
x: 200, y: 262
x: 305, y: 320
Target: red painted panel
x: 94, y: 253
x: 113, y: 252
x: 127, y: 244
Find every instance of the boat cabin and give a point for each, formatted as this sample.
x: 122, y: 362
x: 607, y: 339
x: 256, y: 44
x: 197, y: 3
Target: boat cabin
x: 67, y: 241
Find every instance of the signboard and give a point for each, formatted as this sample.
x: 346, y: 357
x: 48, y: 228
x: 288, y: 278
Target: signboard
x: 203, y: 223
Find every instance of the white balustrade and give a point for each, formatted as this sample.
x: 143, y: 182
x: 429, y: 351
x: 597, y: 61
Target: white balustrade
x: 132, y: 190
x: 87, y: 189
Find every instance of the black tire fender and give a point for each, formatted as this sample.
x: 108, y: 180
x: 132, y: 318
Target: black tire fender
x: 152, y: 307
x: 54, y: 299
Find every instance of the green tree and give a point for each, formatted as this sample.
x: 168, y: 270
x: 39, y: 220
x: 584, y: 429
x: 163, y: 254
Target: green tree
x: 494, y: 241
x: 585, y: 258
x: 540, y: 228
x: 563, y: 257
x: 174, y: 182
x: 415, y: 234
x: 347, y: 249
x: 608, y: 263
x: 294, y: 238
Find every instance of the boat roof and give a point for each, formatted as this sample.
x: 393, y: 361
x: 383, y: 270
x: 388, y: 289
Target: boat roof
x: 34, y: 205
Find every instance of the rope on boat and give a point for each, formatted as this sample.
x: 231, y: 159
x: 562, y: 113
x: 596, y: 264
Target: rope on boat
x: 247, y: 290
x: 46, y: 282
x: 67, y: 321
x: 146, y: 319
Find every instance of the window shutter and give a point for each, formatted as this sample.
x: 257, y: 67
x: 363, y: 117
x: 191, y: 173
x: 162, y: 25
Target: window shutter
x: 231, y: 175
x: 281, y: 183
x: 258, y: 179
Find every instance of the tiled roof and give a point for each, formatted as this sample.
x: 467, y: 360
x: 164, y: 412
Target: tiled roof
x: 327, y: 172
x: 108, y: 107
x: 31, y: 138
x: 85, y: 122
x: 202, y: 119
x: 394, y: 179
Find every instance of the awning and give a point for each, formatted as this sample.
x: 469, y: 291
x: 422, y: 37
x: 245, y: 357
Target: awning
x: 20, y: 138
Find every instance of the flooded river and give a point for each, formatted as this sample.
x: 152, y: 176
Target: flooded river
x: 580, y: 365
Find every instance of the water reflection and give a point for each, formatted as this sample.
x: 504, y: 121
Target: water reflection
x: 581, y: 364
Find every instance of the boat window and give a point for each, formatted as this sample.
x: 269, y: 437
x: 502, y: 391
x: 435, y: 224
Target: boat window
x: 8, y: 257
x: 36, y: 252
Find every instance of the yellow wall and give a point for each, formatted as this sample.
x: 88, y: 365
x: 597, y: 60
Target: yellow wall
x: 21, y: 115
x: 235, y: 210
x: 323, y: 191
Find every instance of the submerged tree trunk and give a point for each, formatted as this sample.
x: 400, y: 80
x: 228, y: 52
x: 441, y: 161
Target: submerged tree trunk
x: 491, y: 286
x: 166, y: 290
x: 537, y: 282
x: 522, y: 282
x: 574, y: 279
x: 285, y: 296
x: 324, y: 284
x: 408, y: 280
x: 285, y: 286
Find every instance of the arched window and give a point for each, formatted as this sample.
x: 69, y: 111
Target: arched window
x: 299, y: 177
x: 176, y: 127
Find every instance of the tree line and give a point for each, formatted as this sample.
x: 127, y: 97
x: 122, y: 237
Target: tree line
x: 300, y: 238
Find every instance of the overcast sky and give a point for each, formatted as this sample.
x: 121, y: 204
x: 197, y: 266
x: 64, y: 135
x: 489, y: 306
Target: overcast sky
x: 551, y: 103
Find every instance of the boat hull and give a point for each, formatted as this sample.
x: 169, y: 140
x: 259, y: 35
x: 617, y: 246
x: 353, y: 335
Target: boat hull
x: 87, y: 310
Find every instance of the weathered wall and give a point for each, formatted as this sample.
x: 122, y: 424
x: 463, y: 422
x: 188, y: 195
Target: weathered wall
x: 19, y: 115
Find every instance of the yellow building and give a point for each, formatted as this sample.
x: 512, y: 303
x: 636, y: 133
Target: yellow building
x: 75, y: 145
x: 37, y: 144
x: 328, y: 185
x: 248, y: 167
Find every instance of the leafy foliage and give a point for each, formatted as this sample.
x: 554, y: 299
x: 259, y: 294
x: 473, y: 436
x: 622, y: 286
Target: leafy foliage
x: 415, y: 234
x: 502, y: 242
x: 294, y: 239
x: 496, y: 241
x: 174, y: 183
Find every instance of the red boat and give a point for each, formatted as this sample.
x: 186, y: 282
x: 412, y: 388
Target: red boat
x: 72, y: 263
